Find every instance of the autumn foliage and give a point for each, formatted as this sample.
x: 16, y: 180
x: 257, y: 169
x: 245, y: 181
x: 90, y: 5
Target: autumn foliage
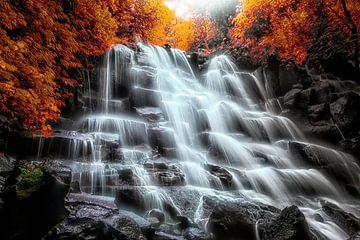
x: 43, y: 43
x: 297, y: 30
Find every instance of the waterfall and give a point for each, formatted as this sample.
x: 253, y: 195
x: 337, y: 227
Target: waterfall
x: 174, y: 137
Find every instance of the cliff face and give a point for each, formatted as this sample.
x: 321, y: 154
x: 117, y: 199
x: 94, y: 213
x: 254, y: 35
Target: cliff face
x: 326, y: 107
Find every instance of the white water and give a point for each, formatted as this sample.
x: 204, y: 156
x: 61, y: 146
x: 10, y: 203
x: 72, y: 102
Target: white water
x: 167, y: 115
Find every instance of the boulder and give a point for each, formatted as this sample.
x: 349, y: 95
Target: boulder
x: 196, y: 234
x: 289, y: 225
x: 347, y: 221
x: 97, y: 221
x: 156, y: 213
x: 130, y: 197
x: 235, y: 220
x: 224, y: 176
x: 33, y: 202
x: 346, y: 112
x: 165, y: 175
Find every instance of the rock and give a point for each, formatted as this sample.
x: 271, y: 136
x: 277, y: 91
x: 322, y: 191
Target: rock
x: 144, y: 97
x: 338, y: 165
x: 161, y: 137
x: 6, y: 165
x: 75, y: 187
x: 165, y: 236
x: 236, y: 220
x: 319, y: 114
x: 196, y: 234
x: 129, y: 197
x: 291, y: 97
x: 158, y: 214
x: 289, y: 225
x: 356, y: 236
x: 288, y: 76
x: 322, y: 91
x: 33, y: 203
x: 348, y: 222
x: 346, y: 112
x: 224, y: 175
x: 154, y: 222
x: 151, y: 114
x: 61, y: 171
x: 165, y: 175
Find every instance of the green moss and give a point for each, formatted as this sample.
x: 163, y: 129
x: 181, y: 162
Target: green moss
x: 29, y: 181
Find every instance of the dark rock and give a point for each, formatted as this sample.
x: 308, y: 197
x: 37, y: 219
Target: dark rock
x: 129, y: 198
x: 156, y: 213
x: 319, y: 114
x: 348, y: 222
x: 143, y: 97
x: 126, y: 174
x: 97, y: 221
x: 288, y: 76
x: 236, y: 220
x: 84, y: 229
x: 356, y: 236
x: 154, y: 222
x: 346, y: 112
x: 75, y: 187
x: 165, y: 175
x: 322, y: 91
x: 161, y: 138
x: 196, y: 234
x: 33, y: 202
x: 6, y: 165
x: 224, y: 175
x: 290, y: 224
x: 166, y: 236
x: 61, y: 171
x: 291, y: 97
x: 151, y: 114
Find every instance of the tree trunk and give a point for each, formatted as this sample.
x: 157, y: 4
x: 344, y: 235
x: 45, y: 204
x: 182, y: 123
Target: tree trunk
x: 354, y: 34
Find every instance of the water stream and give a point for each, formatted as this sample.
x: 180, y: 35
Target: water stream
x: 153, y: 125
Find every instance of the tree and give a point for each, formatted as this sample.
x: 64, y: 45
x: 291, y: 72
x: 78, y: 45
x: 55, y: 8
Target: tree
x: 297, y: 30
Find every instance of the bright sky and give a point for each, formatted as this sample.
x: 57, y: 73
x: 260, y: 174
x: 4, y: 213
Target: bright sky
x: 184, y: 8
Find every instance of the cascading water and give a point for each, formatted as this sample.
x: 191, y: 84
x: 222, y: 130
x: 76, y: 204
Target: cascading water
x: 173, y: 138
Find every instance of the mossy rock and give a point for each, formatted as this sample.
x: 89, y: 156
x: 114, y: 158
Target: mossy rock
x: 29, y: 181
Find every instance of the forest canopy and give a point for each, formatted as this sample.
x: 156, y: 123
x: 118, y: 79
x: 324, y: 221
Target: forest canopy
x: 45, y: 43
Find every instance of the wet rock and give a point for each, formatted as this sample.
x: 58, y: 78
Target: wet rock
x: 236, y: 220
x: 322, y: 91
x: 112, y: 152
x: 319, y: 114
x: 224, y: 175
x: 161, y: 138
x: 151, y: 114
x: 97, y: 221
x: 75, y: 187
x: 158, y: 214
x: 129, y: 197
x: 338, y: 165
x: 143, y: 97
x: 356, y: 236
x: 84, y: 229
x: 290, y: 224
x: 346, y: 112
x: 166, y: 236
x: 291, y: 96
x: 196, y: 234
x: 33, y: 202
x: 7, y: 165
x: 61, y: 170
x: 154, y: 222
x: 126, y: 175
x: 165, y: 175
x: 347, y: 221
